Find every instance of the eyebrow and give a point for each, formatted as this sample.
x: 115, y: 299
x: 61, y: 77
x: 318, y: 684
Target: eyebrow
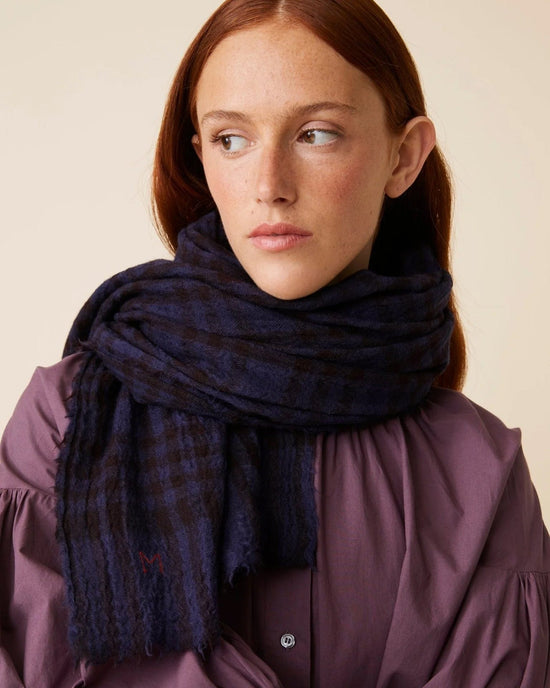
x: 300, y: 111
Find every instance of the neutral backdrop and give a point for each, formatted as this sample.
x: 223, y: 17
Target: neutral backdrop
x: 82, y: 88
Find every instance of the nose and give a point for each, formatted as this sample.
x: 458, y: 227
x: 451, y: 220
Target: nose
x: 276, y: 182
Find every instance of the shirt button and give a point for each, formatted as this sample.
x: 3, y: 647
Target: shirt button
x: 288, y: 641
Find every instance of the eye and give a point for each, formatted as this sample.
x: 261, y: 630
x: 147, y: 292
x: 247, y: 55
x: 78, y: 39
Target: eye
x: 231, y: 143
x: 317, y: 137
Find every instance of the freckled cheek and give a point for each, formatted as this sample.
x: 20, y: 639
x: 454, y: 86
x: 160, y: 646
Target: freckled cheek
x: 223, y: 191
x: 345, y: 184
x: 226, y: 186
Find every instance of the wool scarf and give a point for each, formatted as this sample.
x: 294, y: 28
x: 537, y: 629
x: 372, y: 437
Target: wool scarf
x: 189, y: 454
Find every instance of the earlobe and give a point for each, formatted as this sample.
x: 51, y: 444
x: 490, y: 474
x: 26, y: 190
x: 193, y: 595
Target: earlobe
x: 416, y: 142
x: 196, y: 143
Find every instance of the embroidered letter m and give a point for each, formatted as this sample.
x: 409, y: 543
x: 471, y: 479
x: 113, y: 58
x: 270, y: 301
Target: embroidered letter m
x: 145, y: 560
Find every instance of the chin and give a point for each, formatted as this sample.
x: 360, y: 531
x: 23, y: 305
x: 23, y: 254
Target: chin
x: 287, y: 291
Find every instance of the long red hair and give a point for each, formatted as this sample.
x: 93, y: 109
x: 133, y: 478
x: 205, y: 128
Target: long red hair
x: 362, y: 33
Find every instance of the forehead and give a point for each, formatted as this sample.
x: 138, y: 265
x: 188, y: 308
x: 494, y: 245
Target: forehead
x: 278, y: 64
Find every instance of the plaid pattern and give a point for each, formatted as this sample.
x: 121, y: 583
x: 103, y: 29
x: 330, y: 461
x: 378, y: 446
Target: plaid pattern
x: 189, y: 455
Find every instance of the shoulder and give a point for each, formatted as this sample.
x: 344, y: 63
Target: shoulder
x: 455, y: 438
x: 32, y: 437
x: 479, y: 468
x: 451, y: 445
x: 455, y: 419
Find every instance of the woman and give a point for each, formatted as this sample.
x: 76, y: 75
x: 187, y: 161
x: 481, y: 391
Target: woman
x: 264, y: 472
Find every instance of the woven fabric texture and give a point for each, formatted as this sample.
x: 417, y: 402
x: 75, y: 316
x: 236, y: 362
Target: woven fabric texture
x: 189, y: 455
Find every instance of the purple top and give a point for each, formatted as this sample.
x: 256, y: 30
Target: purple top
x: 432, y: 567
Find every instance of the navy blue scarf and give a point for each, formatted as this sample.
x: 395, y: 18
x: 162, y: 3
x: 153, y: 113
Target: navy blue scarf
x: 189, y: 455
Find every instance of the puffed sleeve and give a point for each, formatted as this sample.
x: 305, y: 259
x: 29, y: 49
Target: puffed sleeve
x: 33, y: 648
x: 34, y: 651
x: 501, y: 636
x: 32, y: 611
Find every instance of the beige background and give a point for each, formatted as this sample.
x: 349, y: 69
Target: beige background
x: 81, y: 95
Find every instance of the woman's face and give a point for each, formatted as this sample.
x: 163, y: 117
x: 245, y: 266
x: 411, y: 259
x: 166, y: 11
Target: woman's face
x: 297, y: 155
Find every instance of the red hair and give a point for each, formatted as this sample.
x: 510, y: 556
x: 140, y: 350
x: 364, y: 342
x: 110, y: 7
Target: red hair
x: 362, y: 33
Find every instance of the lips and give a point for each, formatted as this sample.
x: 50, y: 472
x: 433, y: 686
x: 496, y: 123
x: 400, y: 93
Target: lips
x: 278, y: 237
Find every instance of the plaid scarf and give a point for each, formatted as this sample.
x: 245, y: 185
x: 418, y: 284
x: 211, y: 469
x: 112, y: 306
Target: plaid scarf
x: 189, y: 455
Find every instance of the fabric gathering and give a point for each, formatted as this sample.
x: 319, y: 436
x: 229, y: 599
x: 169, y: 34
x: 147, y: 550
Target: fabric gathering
x: 254, y: 465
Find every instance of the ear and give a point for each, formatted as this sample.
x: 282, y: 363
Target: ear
x: 196, y: 143
x: 414, y: 144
